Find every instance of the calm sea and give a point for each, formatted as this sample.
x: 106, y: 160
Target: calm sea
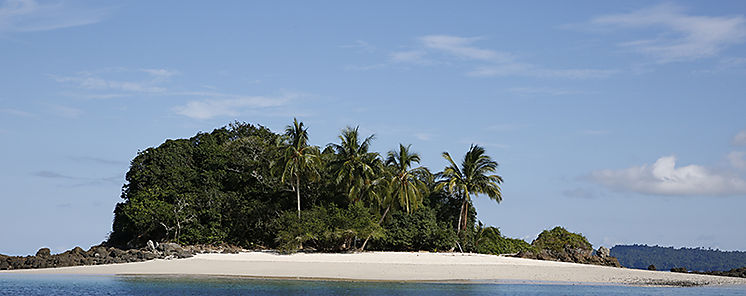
x: 114, y: 285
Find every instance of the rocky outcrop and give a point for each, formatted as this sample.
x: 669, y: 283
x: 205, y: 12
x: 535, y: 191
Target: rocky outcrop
x: 574, y: 255
x: 109, y: 255
x: 559, y: 244
x: 95, y: 255
x: 603, y: 252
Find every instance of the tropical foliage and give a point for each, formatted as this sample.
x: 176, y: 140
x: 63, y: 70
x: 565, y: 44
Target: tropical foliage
x: 491, y: 241
x: 558, y: 239
x: 246, y: 185
x: 471, y: 178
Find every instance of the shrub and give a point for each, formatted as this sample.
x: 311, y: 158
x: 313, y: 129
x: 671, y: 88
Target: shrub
x: 419, y: 230
x: 327, y: 228
x: 490, y: 241
x: 559, y: 238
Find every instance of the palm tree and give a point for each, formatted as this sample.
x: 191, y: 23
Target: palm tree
x: 355, y: 167
x: 400, y: 183
x: 473, y: 177
x: 300, y: 157
x: 407, y: 186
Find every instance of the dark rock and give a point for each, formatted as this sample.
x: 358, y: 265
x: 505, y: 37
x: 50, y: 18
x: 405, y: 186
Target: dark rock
x: 183, y: 254
x: 651, y: 267
x: 603, y: 252
x: 679, y: 269
x: 4, y: 262
x: 43, y: 252
x: 77, y: 251
x: 117, y: 253
x: 169, y: 247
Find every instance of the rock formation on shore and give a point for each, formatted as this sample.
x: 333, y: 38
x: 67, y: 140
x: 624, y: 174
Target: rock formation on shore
x: 559, y: 244
x: 108, y: 255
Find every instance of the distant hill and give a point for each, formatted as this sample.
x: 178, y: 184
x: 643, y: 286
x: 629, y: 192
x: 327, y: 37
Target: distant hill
x: 665, y: 258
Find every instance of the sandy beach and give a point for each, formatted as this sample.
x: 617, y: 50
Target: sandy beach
x: 392, y: 266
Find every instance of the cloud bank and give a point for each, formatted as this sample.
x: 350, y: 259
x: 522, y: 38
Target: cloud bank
x: 664, y: 178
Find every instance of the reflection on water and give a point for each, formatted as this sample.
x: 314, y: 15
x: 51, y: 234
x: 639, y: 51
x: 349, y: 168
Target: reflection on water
x: 11, y: 284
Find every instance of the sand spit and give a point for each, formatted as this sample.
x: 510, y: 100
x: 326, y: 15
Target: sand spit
x: 393, y: 266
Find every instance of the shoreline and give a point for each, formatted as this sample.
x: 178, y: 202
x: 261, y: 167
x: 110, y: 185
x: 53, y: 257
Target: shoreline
x: 390, y: 267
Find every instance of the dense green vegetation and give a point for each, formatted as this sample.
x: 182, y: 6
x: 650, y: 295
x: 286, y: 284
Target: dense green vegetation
x: 698, y: 259
x: 246, y: 185
x: 558, y: 239
x: 491, y: 241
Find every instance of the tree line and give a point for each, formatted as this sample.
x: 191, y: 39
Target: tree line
x: 667, y: 258
x: 243, y: 184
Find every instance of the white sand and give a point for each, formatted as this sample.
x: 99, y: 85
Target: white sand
x: 390, y: 266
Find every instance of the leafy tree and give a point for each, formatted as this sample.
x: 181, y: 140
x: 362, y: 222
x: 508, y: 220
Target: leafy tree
x: 300, y: 157
x: 472, y: 177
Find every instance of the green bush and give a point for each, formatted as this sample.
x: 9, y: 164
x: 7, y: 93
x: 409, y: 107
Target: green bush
x: 558, y: 238
x: 419, y: 230
x: 326, y: 228
x: 490, y: 241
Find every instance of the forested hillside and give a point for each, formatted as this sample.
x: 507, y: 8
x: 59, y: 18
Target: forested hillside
x: 665, y: 258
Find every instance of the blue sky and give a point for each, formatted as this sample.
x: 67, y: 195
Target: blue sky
x: 621, y: 120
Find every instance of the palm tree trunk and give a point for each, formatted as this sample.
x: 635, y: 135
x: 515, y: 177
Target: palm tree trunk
x: 362, y: 248
x: 297, y: 193
x: 466, y: 214
x: 460, y: 215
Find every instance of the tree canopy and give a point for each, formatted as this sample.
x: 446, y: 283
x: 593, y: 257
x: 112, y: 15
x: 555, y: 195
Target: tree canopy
x: 243, y: 184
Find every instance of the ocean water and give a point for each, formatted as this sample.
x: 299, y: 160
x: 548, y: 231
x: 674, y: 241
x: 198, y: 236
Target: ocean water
x: 126, y: 285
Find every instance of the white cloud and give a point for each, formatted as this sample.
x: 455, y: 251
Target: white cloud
x: 737, y: 159
x: 29, y: 16
x: 740, y: 138
x: 162, y: 73
x: 461, y: 47
x: 664, y: 178
x: 88, y: 81
x: 205, y: 104
x: 438, y: 49
x: 523, y: 69
x: 210, y: 108
x: 684, y: 36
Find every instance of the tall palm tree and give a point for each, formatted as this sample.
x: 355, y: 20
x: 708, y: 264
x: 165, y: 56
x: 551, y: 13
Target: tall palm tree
x: 401, y: 183
x: 301, y: 158
x: 355, y: 167
x: 407, y: 186
x: 474, y: 177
